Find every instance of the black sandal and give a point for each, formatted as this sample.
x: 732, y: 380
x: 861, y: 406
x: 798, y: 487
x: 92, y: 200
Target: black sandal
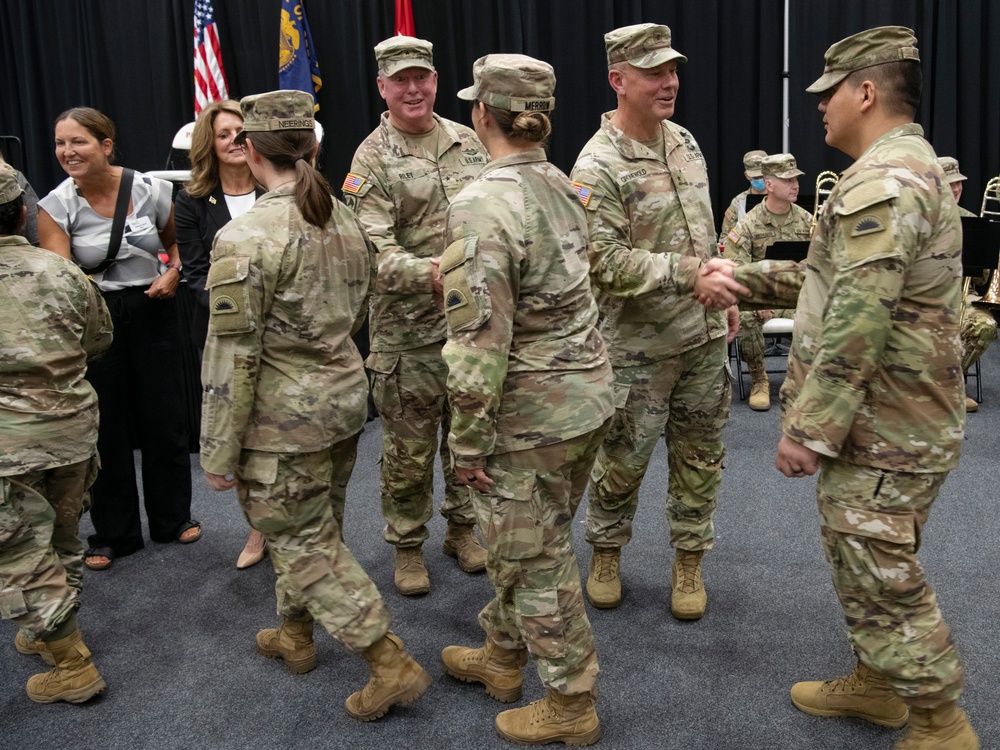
x: 105, y: 552
x: 187, y: 526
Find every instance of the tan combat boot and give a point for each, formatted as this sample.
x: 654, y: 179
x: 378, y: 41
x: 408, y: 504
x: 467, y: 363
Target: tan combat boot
x: 864, y: 694
x: 396, y: 679
x: 411, y: 576
x: 944, y: 727
x: 497, y: 668
x: 31, y: 648
x: 460, y: 542
x: 555, y: 718
x: 760, y: 392
x: 74, y: 679
x: 688, y: 598
x: 971, y: 405
x: 604, y: 586
x: 292, y: 642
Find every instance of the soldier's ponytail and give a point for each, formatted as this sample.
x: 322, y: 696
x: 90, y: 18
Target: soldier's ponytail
x: 294, y: 149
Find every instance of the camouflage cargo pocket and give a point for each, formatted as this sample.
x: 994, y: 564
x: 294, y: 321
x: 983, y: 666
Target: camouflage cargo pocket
x: 385, y: 383
x: 620, y: 439
x: 13, y: 528
x: 12, y: 604
x: 540, y: 621
x: 514, y: 531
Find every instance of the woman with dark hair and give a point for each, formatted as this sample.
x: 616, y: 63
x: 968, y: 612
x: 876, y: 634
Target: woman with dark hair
x: 529, y: 381
x: 220, y: 189
x: 285, y: 397
x: 116, y: 234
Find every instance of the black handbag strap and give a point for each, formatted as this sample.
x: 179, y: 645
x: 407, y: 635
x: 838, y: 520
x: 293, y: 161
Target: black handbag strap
x: 117, y: 224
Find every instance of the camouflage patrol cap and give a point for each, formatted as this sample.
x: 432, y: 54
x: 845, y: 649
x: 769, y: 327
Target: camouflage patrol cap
x: 751, y: 163
x: 9, y: 189
x: 516, y: 83
x: 863, y: 50
x: 400, y: 52
x: 644, y: 45
x: 780, y: 165
x: 949, y: 165
x: 276, y: 110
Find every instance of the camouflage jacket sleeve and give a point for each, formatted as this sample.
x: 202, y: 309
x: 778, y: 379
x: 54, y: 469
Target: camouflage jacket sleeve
x: 739, y: 244
x: 730, y: 218
x: 98, y: 328
x: 866, y: 249
x: 398, y: 271
x: 618, y: 267
x: 773, y: 284
x: 480, y: 291
x: 232, y: 353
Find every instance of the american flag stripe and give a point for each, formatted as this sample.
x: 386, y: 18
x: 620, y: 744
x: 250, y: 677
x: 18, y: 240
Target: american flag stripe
x: 209, y: 76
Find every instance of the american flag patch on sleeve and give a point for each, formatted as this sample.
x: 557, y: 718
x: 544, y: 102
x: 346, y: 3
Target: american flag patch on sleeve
x: 734, y: 235
x: 583, y: 192
x: 353, y: 183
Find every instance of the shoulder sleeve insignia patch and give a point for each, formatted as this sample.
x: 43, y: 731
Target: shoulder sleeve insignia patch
x: 867, y: 224
x: 353, y: 183
x: 455, y: 300
x: 224, y: 305
x: 584, y: 192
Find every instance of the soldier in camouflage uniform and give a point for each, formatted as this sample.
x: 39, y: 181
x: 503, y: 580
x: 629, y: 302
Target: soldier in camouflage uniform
x: 54, y: 321
x: 979, y: 327
x: 737, y: 208
x: 873, y: 395
x: 285, y: 397
x: 644, y: 185
x: 775, y: 219
x: 529, y: 382
x: 402, y: 179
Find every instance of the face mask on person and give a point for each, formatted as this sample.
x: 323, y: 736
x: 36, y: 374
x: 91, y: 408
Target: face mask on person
x: 757, y: 184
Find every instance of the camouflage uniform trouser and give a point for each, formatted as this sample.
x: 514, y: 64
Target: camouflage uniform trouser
x: 293, y: 500
x: 979, y: 330
x: 41, y: 555
x: 872, y: 521
x: 527, y: 521
x: 687, y: 398
x: 409, y: 392
x: 751, y: 338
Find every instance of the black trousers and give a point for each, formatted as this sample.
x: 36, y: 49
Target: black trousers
x: 138, y: 384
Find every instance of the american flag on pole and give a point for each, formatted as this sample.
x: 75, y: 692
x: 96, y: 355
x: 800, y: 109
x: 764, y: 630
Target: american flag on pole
x: 209, y: 77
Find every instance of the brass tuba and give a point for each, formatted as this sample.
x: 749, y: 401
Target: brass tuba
x: 991, y: 210
x: 825, y: 182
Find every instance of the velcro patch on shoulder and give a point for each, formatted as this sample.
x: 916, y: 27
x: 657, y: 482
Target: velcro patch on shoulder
x: 455, y: 299
x: 734, y: 235
x: 868, y: 223
x: 225, y: 305
x: 353, y: 183
x: 583, y: 192
x: 864, y: 196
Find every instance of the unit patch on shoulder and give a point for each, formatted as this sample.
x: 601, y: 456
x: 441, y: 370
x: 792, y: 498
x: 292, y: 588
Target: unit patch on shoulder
x: 353, y: 183
x: 455, y: 300
x: 583, y: 192
x: 224, y: 305
x: 867, y: 224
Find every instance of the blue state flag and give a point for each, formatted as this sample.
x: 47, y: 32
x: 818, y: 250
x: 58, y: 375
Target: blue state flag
x: 298, y: 68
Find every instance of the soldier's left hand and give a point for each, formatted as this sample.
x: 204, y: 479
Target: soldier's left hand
x: 219, y: 482
x: 794, y: 459
x: 475, y: 478
x: 733, y: 322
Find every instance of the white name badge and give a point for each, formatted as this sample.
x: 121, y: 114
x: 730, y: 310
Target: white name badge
x: 139, y: 224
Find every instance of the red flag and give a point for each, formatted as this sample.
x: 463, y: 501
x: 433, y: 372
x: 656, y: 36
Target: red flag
x: 209, y: 77
x: 404, y: 19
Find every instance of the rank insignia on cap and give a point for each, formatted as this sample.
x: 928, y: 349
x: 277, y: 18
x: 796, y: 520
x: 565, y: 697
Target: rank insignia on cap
x: 583, y: 192
x: 224, y: 306
x: 868, y: 224
x: 455, y: 300
x: 353, y: 183
x: 733, y: 235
